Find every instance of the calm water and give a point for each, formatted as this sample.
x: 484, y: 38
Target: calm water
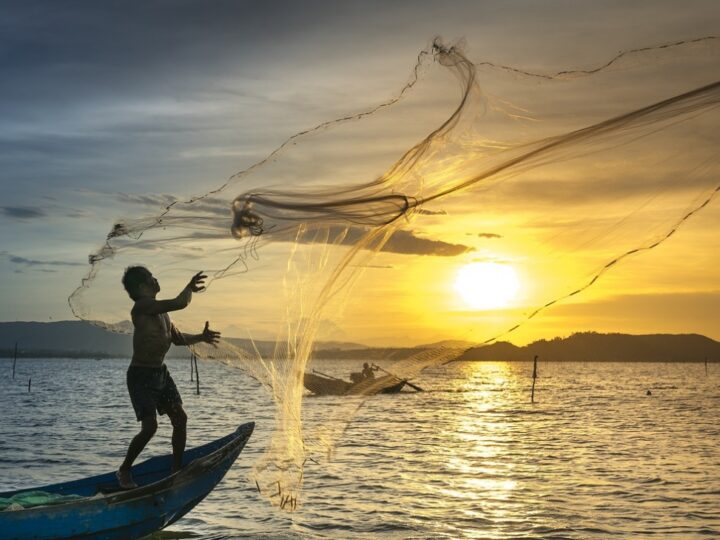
x: 594, y: 457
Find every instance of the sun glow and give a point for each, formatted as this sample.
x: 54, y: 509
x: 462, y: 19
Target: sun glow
x: 487, y: 285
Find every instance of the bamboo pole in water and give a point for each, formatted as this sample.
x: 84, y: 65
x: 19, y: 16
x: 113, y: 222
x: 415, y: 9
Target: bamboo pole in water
x: 29, y: 383
x: 192, y: 359
x: 15, y: 360
x: 532, y: 394
x: 706, y: 365
x: 197, y: 375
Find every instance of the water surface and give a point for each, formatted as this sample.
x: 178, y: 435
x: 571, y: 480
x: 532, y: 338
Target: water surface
x: 471, y: 457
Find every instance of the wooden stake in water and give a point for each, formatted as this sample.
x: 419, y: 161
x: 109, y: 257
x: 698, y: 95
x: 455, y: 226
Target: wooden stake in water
x: 197, y: 376
x: 706, y: 365
x: 532, y: 394
x: 29, y: 383
x: 15, y: 360
x: 192, y: 368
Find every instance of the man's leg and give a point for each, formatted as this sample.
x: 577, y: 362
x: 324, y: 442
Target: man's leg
x: 179, y: 435
x: 149, y: 427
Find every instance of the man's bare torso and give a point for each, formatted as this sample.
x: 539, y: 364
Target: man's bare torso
x: 152, y: 339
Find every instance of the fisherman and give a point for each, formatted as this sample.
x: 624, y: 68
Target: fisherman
x: 149, y: 382
x: 368, y: 372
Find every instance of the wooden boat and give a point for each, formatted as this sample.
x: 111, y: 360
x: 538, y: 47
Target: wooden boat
x: 105, y: 512
x: 327, y: 386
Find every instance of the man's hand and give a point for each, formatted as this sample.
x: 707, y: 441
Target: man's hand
x: 210, y: 336
x: 197, y: 283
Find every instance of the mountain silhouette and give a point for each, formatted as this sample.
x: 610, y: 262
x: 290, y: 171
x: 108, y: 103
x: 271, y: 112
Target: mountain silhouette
x: 83, y: 340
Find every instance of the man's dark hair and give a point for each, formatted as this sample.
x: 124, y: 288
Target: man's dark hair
x: 133, y: 277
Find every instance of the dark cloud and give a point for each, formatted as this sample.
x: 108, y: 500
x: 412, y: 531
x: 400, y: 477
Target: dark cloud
x: 74, y: 213
x: 33, y: 212
x: 108, y: 95
x: 15, y: 259
x: 152, y: 199
x: 402, y: 242
x: 427, y: 212
x: 406, y: 242
x: 212, y: 205
x: 207, y: 205
x: 142, y: 49
x: 101, y: 93
x: 22, y: 212
x: 487, y: 235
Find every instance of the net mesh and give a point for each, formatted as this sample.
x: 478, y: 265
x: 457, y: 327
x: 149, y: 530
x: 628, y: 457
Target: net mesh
x: 563, y: 176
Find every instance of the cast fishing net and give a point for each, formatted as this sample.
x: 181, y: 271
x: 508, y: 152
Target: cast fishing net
x: 360, y: 222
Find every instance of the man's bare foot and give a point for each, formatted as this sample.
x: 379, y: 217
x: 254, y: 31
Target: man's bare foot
x: 175, y: 468
x: 125, y: 479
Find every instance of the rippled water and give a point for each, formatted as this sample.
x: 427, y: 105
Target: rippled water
x: 594, y: 457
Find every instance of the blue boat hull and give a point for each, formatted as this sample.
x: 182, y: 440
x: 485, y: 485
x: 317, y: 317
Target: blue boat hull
x: 160, y: 499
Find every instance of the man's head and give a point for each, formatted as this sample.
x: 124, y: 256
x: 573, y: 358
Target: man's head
x: 365, y: 365
x: 139, y: 282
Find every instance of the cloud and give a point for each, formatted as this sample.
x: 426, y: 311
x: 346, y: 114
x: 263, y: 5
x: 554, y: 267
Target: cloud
x: 33, y: 212
x: 406, y: 242
x: 15, y: 259
x: 153, y: 199
x: 74, y: 213
x: 208, y: 205
x: 402, y: 242
x: 486, y: 235
x: 213, y: 205
x: 22, y: 212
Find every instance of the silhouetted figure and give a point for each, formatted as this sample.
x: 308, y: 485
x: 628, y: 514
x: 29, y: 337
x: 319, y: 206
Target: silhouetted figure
x: 648, y: 393
x: 149, y: 382
x: 368, y: 371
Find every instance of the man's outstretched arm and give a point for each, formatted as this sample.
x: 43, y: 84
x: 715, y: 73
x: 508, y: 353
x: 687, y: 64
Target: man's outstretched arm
x: 151, y: 306
x: 207, y: 336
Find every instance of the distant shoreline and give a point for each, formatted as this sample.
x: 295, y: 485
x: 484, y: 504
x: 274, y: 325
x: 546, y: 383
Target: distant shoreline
x: 4, y: 356
x: 79, y: 339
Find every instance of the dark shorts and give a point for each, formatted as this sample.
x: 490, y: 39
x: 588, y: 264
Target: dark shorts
x: 151, y: 389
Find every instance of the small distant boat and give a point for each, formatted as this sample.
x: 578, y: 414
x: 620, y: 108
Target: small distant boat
x: 105, y: 512
x: 324, y: 385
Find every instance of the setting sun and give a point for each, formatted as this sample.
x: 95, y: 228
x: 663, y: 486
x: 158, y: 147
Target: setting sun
x: 487, y: 285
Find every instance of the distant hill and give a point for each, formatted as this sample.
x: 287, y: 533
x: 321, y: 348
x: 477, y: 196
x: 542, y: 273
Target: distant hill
x: 79, y: 339
x: 82, y: 340
x: 63, y: 338
x: 594, y: 347
x: 448, y: 343
x: 338, y: 345
x: 581, y: 347
x: 369, y: 353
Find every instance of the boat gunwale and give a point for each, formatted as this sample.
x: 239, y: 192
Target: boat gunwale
x: 182, y: 477
x: 371, y: 383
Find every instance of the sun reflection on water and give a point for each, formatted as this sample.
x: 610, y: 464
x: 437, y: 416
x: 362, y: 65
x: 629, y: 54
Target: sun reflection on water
x: 482, y: 437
